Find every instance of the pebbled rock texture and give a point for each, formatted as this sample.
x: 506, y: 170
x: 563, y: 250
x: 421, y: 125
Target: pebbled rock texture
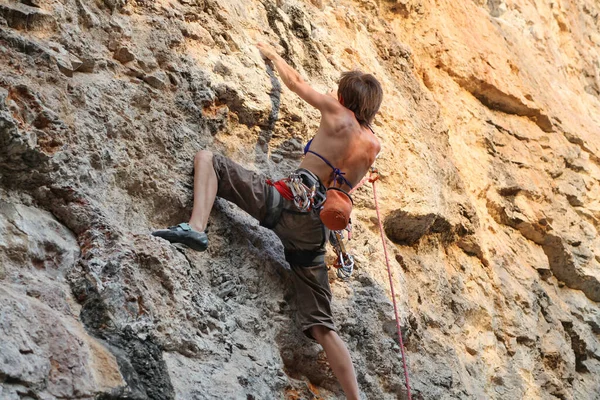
x: 489, y: 189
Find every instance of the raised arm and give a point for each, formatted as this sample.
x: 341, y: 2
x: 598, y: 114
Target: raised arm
x: 292, y: 79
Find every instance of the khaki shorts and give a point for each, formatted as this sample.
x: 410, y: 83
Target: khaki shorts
x: 300, y: 232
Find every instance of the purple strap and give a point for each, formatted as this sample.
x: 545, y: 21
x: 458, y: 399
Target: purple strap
x: 338, y: 175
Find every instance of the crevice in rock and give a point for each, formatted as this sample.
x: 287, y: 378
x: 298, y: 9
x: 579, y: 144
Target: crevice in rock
x: 26, y: 390
x: 4, y: 378
x: 140, y: 359
x: 236, y: 103
x: 200, y: 105
x: 496, y: 7
x: 561, y: 260
x: 502, y: 129
x: 302, y: 28
x: 563, y: 267
x: 274, y: 20
x: 579, y: 142
x: 406, y: 228
x: 23, y: 390
x: 579, y: 347
x: 406, y: 8
x: 297, y: 22
x: 497, y: 100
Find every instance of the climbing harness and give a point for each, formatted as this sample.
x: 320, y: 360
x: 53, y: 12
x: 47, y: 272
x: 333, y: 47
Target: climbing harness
x: 293, y: 188
x: 309, y: 198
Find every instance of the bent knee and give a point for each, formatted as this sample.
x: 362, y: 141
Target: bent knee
x: 203, y: 157
x: 319, y: 332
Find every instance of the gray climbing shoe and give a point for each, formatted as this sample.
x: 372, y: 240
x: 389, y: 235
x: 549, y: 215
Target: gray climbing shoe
x: 184, y: 234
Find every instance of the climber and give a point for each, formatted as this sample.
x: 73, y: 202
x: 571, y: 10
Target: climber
x: 338, y: 156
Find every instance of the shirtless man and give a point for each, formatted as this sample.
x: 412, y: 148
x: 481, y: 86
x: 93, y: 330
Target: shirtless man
x: 340, y: 154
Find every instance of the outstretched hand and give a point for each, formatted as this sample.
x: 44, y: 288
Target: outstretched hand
x: 267, y: 51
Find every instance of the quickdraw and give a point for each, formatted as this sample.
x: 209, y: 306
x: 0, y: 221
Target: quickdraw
x: 344, y: 263
x: 302, y: 194
x: 305, y: 198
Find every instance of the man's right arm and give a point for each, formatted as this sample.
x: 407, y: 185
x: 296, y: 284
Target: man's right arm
x: 292, y: 79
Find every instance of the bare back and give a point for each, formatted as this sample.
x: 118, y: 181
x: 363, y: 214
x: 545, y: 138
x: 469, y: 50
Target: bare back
x: 345, y: 144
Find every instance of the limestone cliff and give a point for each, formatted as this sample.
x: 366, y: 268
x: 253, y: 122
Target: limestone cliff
x: 490, y: 188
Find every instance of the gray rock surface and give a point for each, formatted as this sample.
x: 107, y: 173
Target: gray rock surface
x: 490, y: 190
x: 45, y: 351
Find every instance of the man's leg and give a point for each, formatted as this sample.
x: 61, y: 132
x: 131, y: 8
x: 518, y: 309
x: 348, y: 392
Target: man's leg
x: 205, y: 189
x: 217, y: 175
x: 339, y: 359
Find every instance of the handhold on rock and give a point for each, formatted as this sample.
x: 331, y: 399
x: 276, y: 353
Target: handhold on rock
x: 65, y: 69
x: 69, y: 64
x: 87, y: 65
x: 113, y: 44
x: 173, y: 79
x: 135, y: 72
x: 195, y: 31
x: 157, y: 80
x: 76, y: 63
x: 407, y: 228
x: 124, y: 55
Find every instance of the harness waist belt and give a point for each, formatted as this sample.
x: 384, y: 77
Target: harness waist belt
x: 305, y: 258
x: 310, y: 179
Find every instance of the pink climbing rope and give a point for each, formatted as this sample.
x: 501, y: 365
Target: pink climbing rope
x: 387, y: 261
x: 359, y: 184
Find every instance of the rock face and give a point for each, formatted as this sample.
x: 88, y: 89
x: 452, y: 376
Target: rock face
x: 490, y: 191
